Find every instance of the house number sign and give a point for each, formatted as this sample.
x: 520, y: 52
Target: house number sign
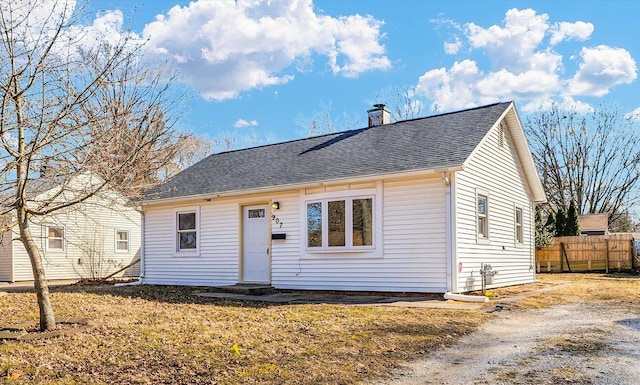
x: 276, y: 220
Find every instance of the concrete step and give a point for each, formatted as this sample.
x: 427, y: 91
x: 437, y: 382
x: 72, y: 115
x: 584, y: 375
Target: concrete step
x: 247, y: 289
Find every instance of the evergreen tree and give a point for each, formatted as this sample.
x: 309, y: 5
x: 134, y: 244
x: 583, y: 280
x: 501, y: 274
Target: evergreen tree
x: 544, y: 233
x: 551, y: 222
x: 572, y: 227
x: 561, y: 220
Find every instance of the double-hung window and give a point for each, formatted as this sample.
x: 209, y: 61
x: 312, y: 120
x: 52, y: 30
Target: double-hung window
x: 340, y: 223
x: 519, y: 233
x: 482, y: 213
x: 187, y: 228
x: 122, y: 241
x: 55, y: 238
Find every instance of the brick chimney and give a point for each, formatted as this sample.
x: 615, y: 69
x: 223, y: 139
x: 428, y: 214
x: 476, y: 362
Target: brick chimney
x: 379, y: 115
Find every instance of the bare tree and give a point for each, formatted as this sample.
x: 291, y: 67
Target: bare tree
x: 78, y: 112
x: 323, y: 122
x: 403, y: 102
x: 593, y: 158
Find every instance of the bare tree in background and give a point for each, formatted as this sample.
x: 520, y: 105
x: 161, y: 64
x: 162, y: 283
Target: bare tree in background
x: 323, y: 122
x: 77, y: 112
x: 593, y: 158
x: 403, y: 102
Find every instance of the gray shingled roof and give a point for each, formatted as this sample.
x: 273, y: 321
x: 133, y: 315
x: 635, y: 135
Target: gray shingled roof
x: 434, y: 142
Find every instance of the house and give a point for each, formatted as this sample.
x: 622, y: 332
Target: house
x: 594, y: 224
x: 431, y: 205
x: 91, y: 239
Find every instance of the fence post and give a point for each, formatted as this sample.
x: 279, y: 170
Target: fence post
x: 561, y: 257
x: 606, y: 242
x: 632, y: 254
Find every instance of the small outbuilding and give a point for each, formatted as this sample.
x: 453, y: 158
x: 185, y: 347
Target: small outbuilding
x: 431, y: 205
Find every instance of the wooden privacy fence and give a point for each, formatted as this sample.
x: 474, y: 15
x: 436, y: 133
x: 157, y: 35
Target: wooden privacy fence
x: 589, y: 253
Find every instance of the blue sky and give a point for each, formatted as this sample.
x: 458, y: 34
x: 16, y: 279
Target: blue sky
x: 255, y: 68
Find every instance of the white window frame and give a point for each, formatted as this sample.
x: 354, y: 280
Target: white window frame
x: 64, y: 242
x: 348, y: 224
x: 117, y: 240
x: 348, y: 195
x: 176, y: 244
x: 518, y: 236
x: 487, y: 215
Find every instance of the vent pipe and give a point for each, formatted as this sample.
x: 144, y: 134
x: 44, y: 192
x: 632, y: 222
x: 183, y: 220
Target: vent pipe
x: 378, y: 115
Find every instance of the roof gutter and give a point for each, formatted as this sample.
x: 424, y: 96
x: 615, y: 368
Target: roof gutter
x: 299, y: 185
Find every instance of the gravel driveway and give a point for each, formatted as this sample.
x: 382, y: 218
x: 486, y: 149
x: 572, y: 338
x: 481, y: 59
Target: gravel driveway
x: 583, y: 343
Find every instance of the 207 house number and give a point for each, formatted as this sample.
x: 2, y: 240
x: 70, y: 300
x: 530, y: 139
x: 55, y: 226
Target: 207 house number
x: 276, y: 220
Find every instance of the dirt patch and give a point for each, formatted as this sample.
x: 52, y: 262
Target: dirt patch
x: 578, y: 343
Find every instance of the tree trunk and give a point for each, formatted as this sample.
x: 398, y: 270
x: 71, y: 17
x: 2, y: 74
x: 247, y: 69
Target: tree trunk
x: 47, y: 319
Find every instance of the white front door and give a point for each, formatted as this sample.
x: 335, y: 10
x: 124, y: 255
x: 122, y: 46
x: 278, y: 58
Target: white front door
x: 255, y: 244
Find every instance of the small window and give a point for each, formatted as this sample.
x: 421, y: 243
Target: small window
x: 362, y: 222
x: 55, y: 238
x: 256, y: 213
x: 518, y: 225
x: 122, y: 240
x: 483, y: 217
x: 314, y: 224
x: 337, y: 223
x: 187, y: 231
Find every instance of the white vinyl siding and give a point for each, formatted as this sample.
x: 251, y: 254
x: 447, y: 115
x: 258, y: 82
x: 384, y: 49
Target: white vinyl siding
x: 217, y: 262
x: 504, y: 183
x: 412, y: 257
x: 410, y: 252
x: 6, y: 255
x: 89, y: 250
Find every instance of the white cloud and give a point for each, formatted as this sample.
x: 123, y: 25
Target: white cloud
x: 570, y: 31
x: 525, y: 64
x: 240, y: 123
x: 513, y: 45
x: 263, y: 44
x: 565, y: 103
x: 634, y: 115
x: 602, y: 68
x: 452, y: 48
x: 451, y: 89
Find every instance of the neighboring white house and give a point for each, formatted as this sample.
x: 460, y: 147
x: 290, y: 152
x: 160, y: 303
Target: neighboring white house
x: 91, y: 239
x: 414, y: 206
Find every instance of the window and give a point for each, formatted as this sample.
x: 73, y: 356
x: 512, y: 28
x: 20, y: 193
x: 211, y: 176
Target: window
x: 518, y: 226
x: 334, y: 224
x: 187, y: 231
x: 122, y: 240
x: 483, y: 217
x: 314, y: 224
x: 55, y: 238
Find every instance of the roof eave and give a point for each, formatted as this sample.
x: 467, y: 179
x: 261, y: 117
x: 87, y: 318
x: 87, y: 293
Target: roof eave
x: 268, y: 189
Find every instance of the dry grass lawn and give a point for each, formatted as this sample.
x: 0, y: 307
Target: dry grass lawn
x: 152, y: 335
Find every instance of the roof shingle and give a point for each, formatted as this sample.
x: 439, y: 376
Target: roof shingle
x: 434, y: 142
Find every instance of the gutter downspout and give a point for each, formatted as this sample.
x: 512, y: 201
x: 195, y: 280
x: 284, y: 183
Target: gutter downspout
x: 449, y: 178
x: 448, y: 233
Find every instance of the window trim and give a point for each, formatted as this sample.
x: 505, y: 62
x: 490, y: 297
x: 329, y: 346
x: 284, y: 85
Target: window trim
x: 348, y: 199
x: 487, y: 216
x: 177, y: 252
x: 518, y: 228
x: 117, y: 240
x: 344, y: 192
x: 64, y: 241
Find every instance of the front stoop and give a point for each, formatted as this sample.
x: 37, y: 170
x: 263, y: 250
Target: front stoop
x: 247, y: 289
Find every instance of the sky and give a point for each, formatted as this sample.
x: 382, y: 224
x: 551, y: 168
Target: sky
x: 258, y: 70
